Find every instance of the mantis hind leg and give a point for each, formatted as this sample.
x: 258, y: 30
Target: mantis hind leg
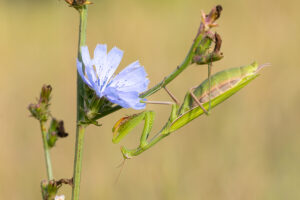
x: 193, y: 96
x: 171, y: 95
x: 209, y: 86
x: 197, y: 100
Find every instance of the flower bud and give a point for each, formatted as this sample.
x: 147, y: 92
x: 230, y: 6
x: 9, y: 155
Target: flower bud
x: 77, y: 4
x: 33, y: 110
x: 49, y: 189
x: 208, y: 20
x: 45, y: 94
x: 40, y: 109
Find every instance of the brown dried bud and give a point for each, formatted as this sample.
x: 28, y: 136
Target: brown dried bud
x: 203, y: 56
x: 61, y: 130
x: 208, y: 21
x: 218, y: 42
x: 215, y: 12
x: 55, y: 130
x: 208, y: 58
x: 77, y: 3
x: 45, y: 94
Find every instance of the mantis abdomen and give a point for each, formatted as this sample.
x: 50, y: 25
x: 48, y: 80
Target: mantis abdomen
x: 222, y: 82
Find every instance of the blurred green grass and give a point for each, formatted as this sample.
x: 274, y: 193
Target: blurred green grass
x: 247, y: 149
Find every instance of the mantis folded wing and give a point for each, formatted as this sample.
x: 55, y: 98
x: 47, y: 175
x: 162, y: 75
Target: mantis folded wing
x: 223, y: 85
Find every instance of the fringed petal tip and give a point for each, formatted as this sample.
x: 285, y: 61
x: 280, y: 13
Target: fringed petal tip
x: 132, y: 79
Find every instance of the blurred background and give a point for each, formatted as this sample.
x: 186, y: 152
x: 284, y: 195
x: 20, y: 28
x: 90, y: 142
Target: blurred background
x: 248, y: 148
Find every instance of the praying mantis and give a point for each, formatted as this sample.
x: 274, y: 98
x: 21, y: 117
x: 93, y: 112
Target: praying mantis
x: 221, y: 86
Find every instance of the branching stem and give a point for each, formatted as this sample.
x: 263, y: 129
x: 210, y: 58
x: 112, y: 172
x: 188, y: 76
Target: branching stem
x: 187, y: 61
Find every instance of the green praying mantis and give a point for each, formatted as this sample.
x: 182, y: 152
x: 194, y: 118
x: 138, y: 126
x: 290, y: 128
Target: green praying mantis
x: 208, y: 94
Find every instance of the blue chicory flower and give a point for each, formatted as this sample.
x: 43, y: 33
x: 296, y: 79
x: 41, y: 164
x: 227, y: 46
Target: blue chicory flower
x: 122, y: 89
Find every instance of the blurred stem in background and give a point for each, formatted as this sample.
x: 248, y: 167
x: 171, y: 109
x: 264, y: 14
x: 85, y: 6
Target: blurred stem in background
x: 46, y: 151
x: 80, y: 129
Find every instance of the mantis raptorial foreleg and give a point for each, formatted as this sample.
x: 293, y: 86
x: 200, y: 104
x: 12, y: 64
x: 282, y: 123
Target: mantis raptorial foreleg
x: 126, y: 124
x: 149, y: 118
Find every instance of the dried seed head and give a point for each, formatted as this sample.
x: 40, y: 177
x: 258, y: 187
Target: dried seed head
x: 77, y: 3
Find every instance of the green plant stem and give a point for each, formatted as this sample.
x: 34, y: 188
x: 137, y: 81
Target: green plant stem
x: 78, y: 161
x: 46, y: 151
x: 80, y: 129
x: 187, y: 61
x: 81, y: 42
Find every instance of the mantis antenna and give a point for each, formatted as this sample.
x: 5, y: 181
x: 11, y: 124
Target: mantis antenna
x: 121, y: 166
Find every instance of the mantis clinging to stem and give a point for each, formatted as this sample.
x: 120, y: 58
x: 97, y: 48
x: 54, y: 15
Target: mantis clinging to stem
x: 223, y: 85
x: 198, y: 100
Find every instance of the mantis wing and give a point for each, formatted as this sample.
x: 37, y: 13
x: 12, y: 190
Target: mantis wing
x: 197, y: 111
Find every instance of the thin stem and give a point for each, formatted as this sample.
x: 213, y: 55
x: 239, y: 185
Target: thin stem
x: 81, y: 42
x: 187, y: 61
x: 46, y: 151
x: 78, y: 161
x: 80, y: 129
